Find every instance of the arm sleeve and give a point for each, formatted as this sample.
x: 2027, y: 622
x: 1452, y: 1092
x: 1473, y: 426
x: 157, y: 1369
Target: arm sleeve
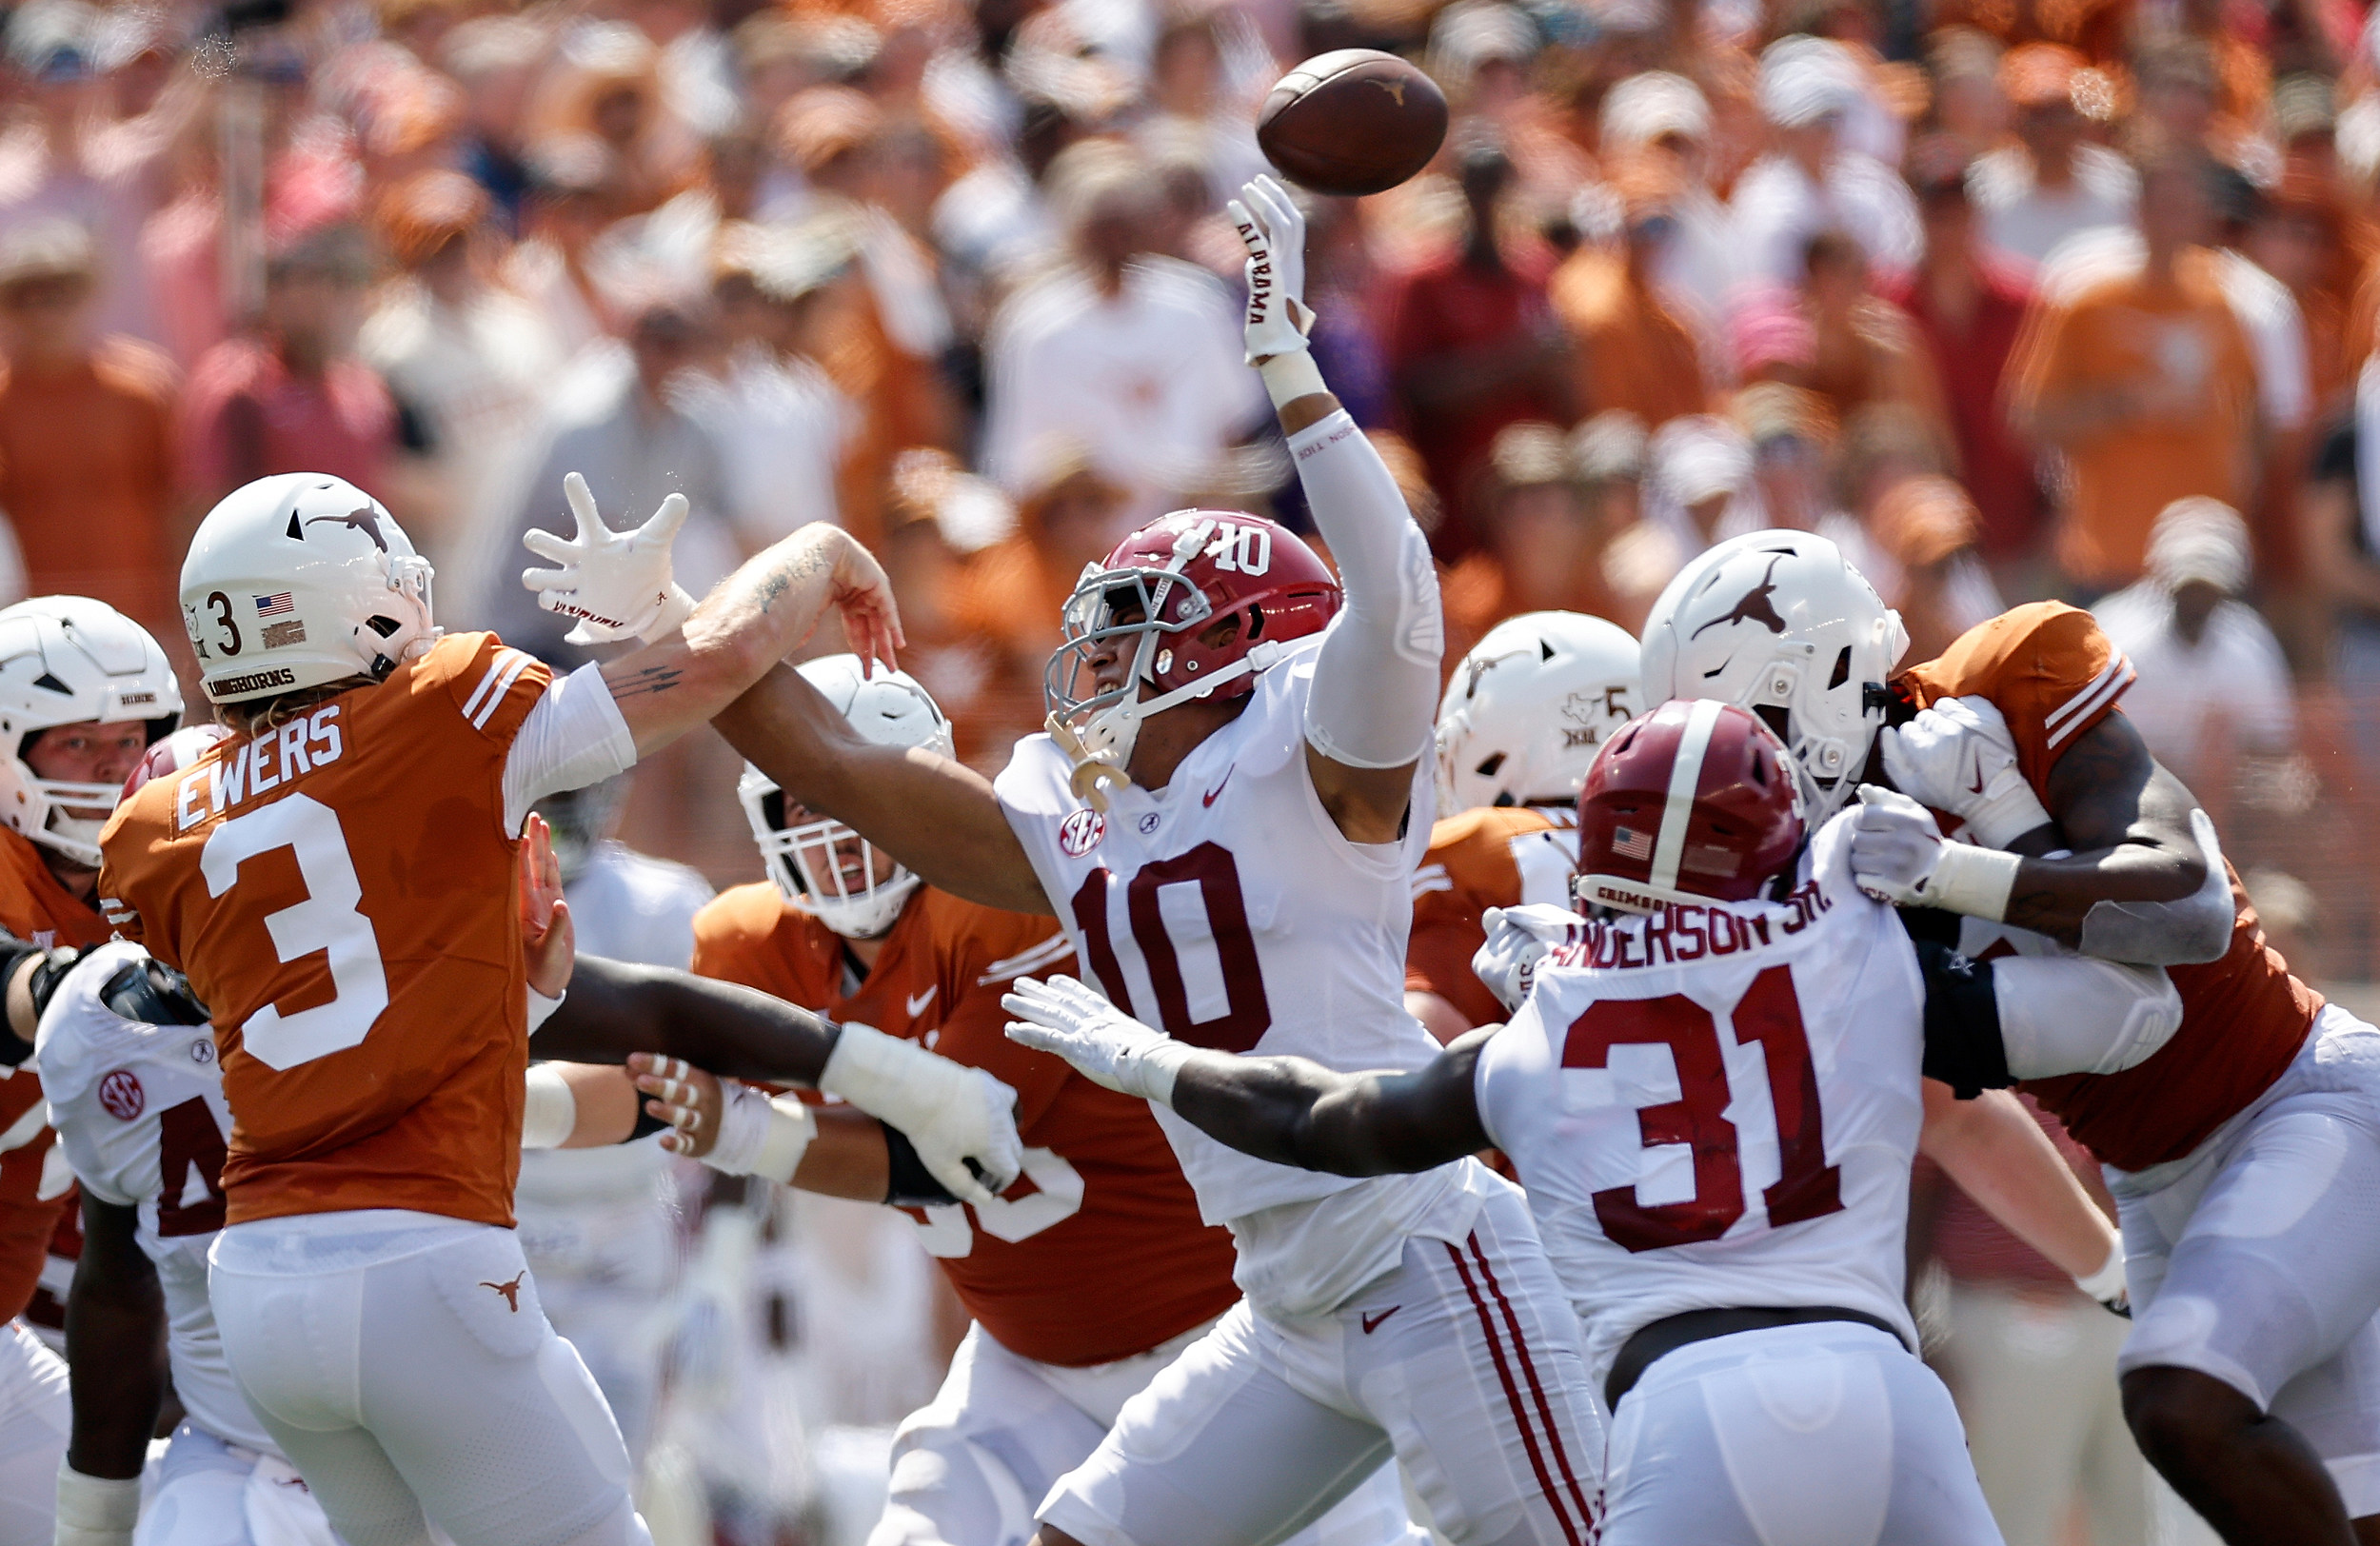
x: 1376, y: 677
x: 572, y: 738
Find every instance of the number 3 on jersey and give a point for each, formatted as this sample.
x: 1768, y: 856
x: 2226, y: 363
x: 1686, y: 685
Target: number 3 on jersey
x: 328, y: 920
x: 1194, y: 897
x: 1767, y: 1016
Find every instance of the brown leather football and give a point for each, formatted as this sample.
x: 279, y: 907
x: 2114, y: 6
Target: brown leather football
x: 1352, y: 121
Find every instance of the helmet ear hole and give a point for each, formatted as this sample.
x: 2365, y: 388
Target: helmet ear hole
x: 1255, y: 623
x: 1842, y: 670
x: 382, y: 625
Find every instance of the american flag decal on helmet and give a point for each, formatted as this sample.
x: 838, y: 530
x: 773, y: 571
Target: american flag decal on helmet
x: 1630, y: 843
x: 279, y: 604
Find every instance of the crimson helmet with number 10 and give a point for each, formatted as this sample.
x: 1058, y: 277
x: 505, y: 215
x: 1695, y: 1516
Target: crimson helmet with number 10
x: 1695, y: 802
x: 1160, y: 600
x: 298, y: 579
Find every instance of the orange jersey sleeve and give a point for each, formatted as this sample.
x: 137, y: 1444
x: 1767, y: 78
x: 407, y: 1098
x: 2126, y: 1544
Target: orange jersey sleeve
x: 1096, y: 1251
x: 341, y: 891
x: 2045, y: 665
x: 1480, y: 858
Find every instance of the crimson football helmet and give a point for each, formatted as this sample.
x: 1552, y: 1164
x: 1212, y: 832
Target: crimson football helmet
x: 1695, y: 802
x: 1152, y: 605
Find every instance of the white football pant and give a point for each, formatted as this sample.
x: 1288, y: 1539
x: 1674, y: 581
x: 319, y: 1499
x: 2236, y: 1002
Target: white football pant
x: 34, y: 1414
x: 403, y: 1362
x: 1463, y: 1361
x: 969, y: 1469
x: 2256, y: 1258
x: 1824, y: 1434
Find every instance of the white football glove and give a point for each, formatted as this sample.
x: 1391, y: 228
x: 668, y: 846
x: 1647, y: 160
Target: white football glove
x: 617, y: 584
x: 1275, y: 234
x: 1899, y: 855
x: 962, y: 1121
x: 1064, y: 1016
x: 1517, y: 940
x: 1958, y: 757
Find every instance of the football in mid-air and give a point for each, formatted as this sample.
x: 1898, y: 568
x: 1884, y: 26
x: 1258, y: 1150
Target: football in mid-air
x: 1352, y: 121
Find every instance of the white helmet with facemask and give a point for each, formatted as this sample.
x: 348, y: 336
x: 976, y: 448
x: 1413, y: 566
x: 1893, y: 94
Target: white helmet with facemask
x: 809, y: 859
x: 69, y: 660
x: 1526, y: 711
x: 1781, y: 622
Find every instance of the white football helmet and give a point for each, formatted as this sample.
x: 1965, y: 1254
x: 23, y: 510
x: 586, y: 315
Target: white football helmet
x: 301, y: 579
x: 1529, y: 707
x: 1781, y: 620
x: 809, y: 862
x: 69, y: 660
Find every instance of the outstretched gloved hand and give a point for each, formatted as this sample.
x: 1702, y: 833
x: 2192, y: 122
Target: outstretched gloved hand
x: 617, y: 584
x: 1064, y: 1016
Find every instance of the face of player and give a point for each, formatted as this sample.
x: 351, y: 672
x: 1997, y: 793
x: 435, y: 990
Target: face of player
x: 88, y: 753
x: 1111, y: 660
x: 853, y: 865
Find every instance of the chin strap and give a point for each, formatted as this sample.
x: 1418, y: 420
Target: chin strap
x: 1094, y: 772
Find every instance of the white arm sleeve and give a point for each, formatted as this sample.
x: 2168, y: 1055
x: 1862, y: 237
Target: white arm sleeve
x: 2072, y: 1015
x: 1376, y: 677
x: 572, y: 738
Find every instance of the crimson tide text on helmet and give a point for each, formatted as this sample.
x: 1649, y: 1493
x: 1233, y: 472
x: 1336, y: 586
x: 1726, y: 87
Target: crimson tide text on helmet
x: 1528, y: 708
x: 1780, y: 621
x: 70, y: 660
x: 820, y: 864
x: 1156, y: 603
x: 1694, y: 802
x: 298, y: 579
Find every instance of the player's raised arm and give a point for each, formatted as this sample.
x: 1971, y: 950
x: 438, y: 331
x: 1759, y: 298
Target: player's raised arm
x: 698, y: 657
x: 1288, y: 1110
x: 936, y: 816
x: 1368, y: 722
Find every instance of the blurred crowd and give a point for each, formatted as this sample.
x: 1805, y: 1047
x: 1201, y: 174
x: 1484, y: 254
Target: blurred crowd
x: 2014, y: 299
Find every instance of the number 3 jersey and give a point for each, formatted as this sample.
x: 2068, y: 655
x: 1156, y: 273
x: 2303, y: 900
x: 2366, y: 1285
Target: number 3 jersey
x: 1228, y: 910
x: 341, y: 892
x: 1718, y: 1105
x: 140, y: 1112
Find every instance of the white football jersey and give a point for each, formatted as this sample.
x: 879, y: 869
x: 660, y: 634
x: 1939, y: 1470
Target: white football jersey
x: 141, y: 1117
x: 1718, y: 1105
x: 1228, y: 910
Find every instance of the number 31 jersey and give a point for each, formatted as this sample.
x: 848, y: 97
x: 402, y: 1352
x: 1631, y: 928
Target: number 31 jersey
x: 140, y: 1113
x: 341, y: 892
x: 1718, y: 1105
x: 1228, y: 910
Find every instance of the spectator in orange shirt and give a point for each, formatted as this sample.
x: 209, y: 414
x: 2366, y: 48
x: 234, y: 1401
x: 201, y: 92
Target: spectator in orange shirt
x: 1631, y: 351
x: 2145, y: 380
x: 293, y: 395
x: 86, y: 435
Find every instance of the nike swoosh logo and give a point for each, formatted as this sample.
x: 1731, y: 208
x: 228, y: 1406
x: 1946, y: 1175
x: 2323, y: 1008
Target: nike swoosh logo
x: 916, y: 1005
x: 1372, y: 1322
x: 1976, y: 787
x: 1209, y: 798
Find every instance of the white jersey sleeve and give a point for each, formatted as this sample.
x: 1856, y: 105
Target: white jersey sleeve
x: 141, y: 1117
x: 1718, y: 1105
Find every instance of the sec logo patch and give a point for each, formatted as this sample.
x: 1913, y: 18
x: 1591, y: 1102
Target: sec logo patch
x: 1080, y: 832
x: 121, y: 1096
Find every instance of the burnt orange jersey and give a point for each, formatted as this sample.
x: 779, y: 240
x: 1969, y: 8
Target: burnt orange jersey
x: 33, y: 905
x: 1491, y: 857
x: 1096, y: 1252
x: 341, y: 892
x: 2053, y: 675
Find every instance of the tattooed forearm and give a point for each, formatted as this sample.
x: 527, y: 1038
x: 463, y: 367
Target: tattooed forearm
x: 796, y: 570
x: 652, y: 678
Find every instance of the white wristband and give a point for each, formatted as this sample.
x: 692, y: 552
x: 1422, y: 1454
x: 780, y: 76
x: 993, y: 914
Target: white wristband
x: 2008, y: 810
x: 1149, y: 1072
x: 1973, y: 880
x: 2107, y: 1284
x: 889, y: 1079
x: 1289, y: 377
x: 759, y: 1136
x: 95, y: 1511
x: 542, y: 1008
x: 550, y: 1111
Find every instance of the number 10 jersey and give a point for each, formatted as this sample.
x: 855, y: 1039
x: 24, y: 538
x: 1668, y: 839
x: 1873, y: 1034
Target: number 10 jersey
x: 341, y: 891
x: 1718, y: 1105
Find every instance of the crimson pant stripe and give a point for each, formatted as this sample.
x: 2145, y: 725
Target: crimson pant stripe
x: 1512, y: 1399
x: 1529, y: 1372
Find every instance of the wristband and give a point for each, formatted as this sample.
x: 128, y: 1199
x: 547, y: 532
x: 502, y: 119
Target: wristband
x: 550, y: 1112
x: 1973, y: 880
x: 542, y: 1008
x: 96, y: 1511
x: 891, y: 1079
x: 2008, y: 810
x: 1289, y: 377
x: 1148, y: 1072
x: 759, y: 1136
